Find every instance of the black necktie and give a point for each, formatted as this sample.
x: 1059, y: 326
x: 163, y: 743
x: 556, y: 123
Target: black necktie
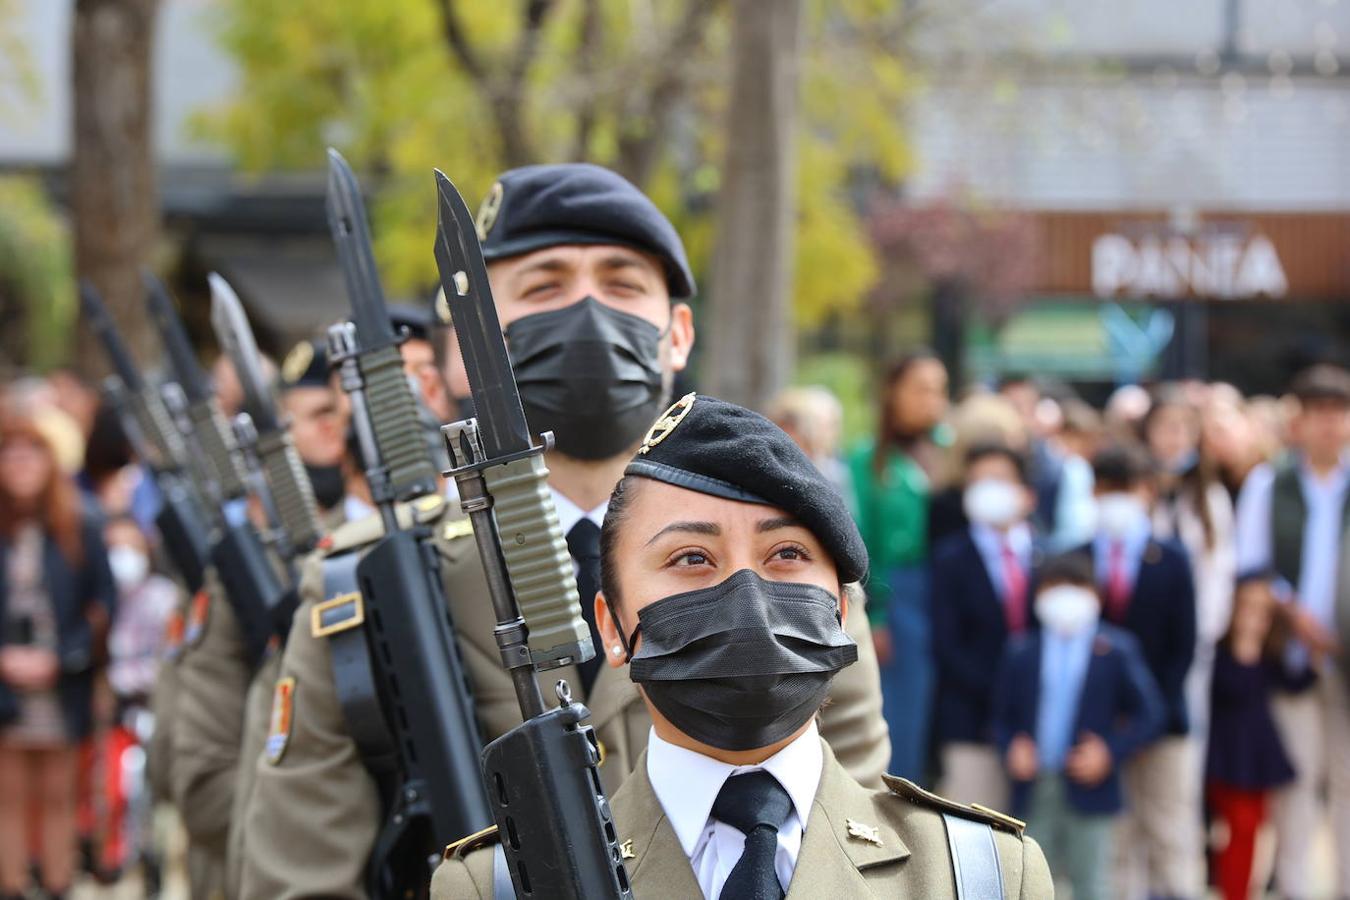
x: 756, y: 805
x: 583, y: 543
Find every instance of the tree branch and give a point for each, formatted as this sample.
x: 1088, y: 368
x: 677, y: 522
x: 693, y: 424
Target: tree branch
x: 638, y: 152
x: 588, y: 48
x: 458, y: 41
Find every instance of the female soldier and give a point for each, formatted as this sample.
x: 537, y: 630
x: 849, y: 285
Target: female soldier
x: 727, y: 561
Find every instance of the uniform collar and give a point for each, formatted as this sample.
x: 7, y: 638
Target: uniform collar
x: 687, y: 783
x: 570, y: 514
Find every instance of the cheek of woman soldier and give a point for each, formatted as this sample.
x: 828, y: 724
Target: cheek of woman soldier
x: 671, y: 541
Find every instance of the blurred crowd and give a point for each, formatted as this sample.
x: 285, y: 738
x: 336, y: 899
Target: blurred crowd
x: 1120, y: 624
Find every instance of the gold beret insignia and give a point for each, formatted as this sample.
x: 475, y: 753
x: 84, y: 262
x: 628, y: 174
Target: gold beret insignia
x: 297, y: 362
x: 667, y: 422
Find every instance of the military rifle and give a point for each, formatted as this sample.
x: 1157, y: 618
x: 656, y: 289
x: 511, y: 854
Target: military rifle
x: 181, y: 519
x: 424, y: 691
x: 558, y: 838
x: 249, y: 576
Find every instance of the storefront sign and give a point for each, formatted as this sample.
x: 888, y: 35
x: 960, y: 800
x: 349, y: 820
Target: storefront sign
x: 1222, y: 265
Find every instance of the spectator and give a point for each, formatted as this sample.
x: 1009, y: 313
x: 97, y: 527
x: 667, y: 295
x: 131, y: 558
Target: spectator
x: 1045, y: 461
x: 1246, y: 760
x: 145, y: 603
x: 1227, y: 437
x: 1072, y: 703
x: 981, y: 596
x: 1075, y: 508
x: 1147, y: 590
x: 1292, y: 519
x: 891, y: 479
x: 54, y: 578
x: 1195, y: 510
x: 813, y: 418
x: 1125, y: 410
x: 980, y: 418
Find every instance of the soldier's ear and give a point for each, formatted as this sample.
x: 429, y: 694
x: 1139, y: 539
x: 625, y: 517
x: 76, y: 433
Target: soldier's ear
x: 611, y: 644
x: 681, y: 335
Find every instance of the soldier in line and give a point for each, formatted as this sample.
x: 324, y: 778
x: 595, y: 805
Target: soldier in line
x: 728, y: 564
x: 588, y: 278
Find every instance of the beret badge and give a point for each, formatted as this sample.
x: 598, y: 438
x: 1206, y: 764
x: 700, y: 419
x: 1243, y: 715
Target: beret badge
x: 297, y: 361
x: 488, y: 211
x: 667, y: 422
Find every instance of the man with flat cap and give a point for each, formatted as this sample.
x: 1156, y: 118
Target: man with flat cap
x: 728, y: 565
x: 588, y: 278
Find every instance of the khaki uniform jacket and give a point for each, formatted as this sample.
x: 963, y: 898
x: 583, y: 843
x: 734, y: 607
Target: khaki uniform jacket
x: 314, y: 816
x: 907, y: 854
x: 213, y: 679
x: 257, y: 708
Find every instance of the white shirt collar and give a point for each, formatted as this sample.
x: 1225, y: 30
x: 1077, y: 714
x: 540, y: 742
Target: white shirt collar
x: 570, y: 514
x: 687, y: 783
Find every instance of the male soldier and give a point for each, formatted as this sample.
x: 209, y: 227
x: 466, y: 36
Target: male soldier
x: 585, y: 271
x: 728, y: 562
x: 318, y: 422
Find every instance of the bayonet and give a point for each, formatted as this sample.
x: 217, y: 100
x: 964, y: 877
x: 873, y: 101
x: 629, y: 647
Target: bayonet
x: 205, y: 425
x: 543, y: 774
x: 291, y: 495
x: 403, y: 468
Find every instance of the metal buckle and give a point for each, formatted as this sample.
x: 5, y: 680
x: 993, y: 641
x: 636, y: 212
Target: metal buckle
x: 320, y: 628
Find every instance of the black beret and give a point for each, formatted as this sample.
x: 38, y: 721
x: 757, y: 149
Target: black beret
x: 719, y: 448
x: 306, y: 365
x: 534, y: 207
x: 416, y: 319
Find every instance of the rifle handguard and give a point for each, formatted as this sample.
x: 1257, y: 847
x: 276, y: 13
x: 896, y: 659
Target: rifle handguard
x: 157, y: 427
x: 291, y: 490
x: 393, y: 419
x: 217, y: 443
x: 538, y: 563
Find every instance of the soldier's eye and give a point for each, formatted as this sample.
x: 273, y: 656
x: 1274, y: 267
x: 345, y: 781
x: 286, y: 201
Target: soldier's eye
x: 690, y: 558
x: 543, y: 287
x: 791, y: 552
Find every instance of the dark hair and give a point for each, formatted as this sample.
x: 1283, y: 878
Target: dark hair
x: 1067, y: 568
x: 889, y: 436
x: 615, y: 515
x: 108, y: 449
x: 1195, y: 482
x: 991, y: 449
x: 1322, y: 382
x: 1122, y: 467
x: 1277, y: 639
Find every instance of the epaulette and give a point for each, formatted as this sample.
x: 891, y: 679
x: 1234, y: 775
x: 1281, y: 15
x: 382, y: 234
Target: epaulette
x: 912, y: 792
x: 428, y: 508
x: 466, y: 845
x: 352, y: 534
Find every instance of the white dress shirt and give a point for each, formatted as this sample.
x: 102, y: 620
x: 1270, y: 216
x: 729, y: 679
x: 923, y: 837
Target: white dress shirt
x: 1325, y: 499
x: 687, y: 784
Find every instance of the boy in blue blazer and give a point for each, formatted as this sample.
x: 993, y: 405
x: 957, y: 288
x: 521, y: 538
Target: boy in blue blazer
x: 1072, y: 702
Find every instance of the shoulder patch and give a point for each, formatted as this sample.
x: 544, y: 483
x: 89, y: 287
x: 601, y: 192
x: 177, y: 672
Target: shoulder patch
x: 912, y: 792
x: 173, y: 635
x: 466, y: 845
x: 199, y: 613
x: 353, y: 534
x: 283, y: 716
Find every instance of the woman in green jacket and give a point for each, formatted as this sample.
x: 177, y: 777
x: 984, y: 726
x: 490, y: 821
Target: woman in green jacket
x: 891, y: 482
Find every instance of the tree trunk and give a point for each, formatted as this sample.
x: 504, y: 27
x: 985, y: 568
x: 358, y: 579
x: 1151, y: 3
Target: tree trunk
x: 750, y: 346
x: 114, y: 199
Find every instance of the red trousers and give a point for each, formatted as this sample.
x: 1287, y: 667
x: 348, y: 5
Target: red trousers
x: 1243, y: 811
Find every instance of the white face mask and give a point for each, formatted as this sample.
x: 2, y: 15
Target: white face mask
x: 129, y: 566
x: 1119, y: 514
x: 1067, y: 609
x: 993, y: 502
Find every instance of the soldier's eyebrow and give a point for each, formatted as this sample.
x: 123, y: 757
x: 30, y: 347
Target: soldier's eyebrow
x: 775, y: 524
x: 709, y: 528
x: 547, y: 264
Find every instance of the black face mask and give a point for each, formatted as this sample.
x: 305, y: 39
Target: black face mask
x: 742, y: 664
x: 589, y: 374
x: 329, y: 487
